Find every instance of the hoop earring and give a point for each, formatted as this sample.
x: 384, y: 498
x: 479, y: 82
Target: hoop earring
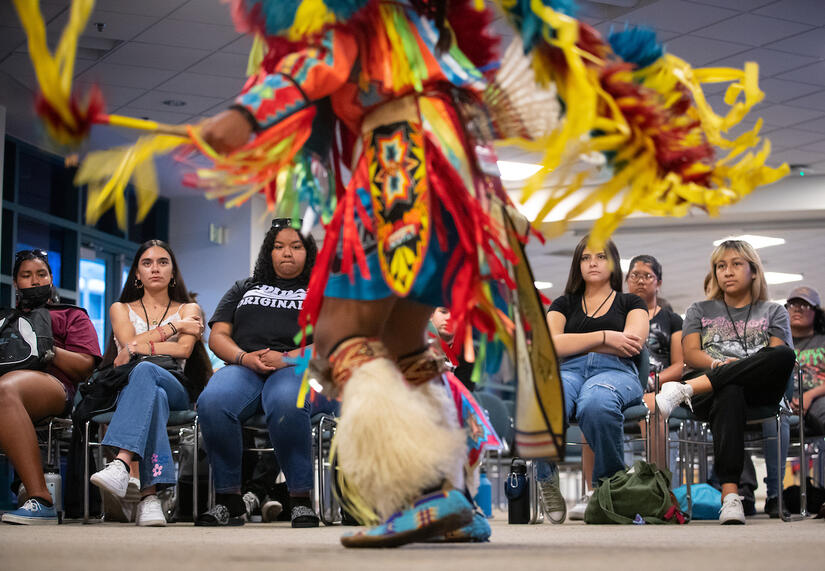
x: 138, y: 283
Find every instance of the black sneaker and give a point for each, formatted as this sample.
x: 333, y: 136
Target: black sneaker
x: 302, y: 516
x: 749, y: 507
x: 772, y: 508
x: 218, y: 517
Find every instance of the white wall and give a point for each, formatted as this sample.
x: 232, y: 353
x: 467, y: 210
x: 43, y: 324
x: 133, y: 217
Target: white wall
x: 208, y: 268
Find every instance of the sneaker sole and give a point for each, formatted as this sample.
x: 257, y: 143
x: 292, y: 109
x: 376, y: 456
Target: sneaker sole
x: 104, y: 485
x: 23, y: 520
x: 559, y: 519
x: 442, y: 526
x: 152, y: 523
x: 732, y: 522
x: 270, y: 513
x: 233, y: 522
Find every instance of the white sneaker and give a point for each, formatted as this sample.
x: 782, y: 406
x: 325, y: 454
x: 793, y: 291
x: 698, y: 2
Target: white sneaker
x: 731, y: 512
x: 150, y: 512
x: 672, y: 395
x: 552, y: 502
x: 577, y: 513
x: 114, y: 478
x: 271, y: 510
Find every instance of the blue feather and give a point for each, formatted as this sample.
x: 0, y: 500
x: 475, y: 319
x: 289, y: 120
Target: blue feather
x: 636, y: 45
x: 279, y: 15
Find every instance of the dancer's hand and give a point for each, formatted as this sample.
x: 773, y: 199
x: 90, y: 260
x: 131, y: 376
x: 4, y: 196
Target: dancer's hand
x: 252, y: 360
x: 226, y: 131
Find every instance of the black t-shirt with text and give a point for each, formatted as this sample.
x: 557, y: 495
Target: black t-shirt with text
x: 263, y: 316
x: 662, y: 327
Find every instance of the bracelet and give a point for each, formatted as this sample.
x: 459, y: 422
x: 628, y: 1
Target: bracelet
x: 151, y: 347
x: 239, y: 357
x: 174, y: 329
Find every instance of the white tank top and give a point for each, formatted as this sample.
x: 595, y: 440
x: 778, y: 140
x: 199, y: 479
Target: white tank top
x: 140, y: 325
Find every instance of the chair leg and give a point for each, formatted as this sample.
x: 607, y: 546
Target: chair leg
x: 195, y: 473
x: 86, y: 474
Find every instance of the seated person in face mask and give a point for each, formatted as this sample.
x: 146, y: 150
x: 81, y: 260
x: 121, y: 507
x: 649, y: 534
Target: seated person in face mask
x: 27, y: 396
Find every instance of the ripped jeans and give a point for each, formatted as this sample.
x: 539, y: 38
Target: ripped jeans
x: 597, y: 388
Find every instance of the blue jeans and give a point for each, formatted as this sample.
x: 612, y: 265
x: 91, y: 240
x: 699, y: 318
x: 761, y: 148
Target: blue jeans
x: 139, y: 422
x: 597, y: 388
x: 236, y: 393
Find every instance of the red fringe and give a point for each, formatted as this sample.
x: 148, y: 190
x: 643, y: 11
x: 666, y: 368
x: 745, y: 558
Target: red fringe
x: 86, y: 112
x: 473, y: 33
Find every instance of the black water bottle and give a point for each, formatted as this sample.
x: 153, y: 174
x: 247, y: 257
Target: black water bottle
x: 517, y: 491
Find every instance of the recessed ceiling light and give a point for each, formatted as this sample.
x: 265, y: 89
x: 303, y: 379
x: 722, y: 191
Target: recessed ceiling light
x: 174, y: 102
x: 512, y: 170
x: 754, y: 240
x: 543, y: 285
x: 774, y: 278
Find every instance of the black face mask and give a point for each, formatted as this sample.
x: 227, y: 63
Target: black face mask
x: 34, y: 297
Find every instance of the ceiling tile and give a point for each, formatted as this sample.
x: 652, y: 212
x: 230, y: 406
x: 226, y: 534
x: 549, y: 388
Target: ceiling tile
x: 150, y: 55
x: 195, y: 104
x: 156, y: 8
x: 805, y: 11
x: 795, y: 157
x: 817, y: 147
x: 222, y: 106
x: 771, y: 62
x: 8, y: 15
x: 814, y: 73
x: 114, y: 95
x: 752, y: 30
x: 155, y: 115
x: 743, y: 5
x: 810, y: 43
x: 779, y: 91
x: 784, y: 115
x: 19, y: 63
x: 10, y: 39
x: 813, y: 101
x: 678, y: 16
x: 223, y: 64
x: 199, y: 84
x: 609, y: 26
x: 118, y: 26
x: 790, y: 138
x: 242, y: 45
x: 207, y: 11
x: 701, y: 51
x: 172, y: 32
x: 817, y: 126
x: 108, y: 73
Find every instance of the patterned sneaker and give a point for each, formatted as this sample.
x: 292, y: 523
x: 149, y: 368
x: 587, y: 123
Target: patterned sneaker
x: 251, y: 504
x: 732, y: 512
x: 431, y: 516
x: 32, y: 513
x: 672, y: 395
x: 150, y: 512
x: 114, y: 478
x: 271, y: 510
x: 577, y: 513
x: 552, y: 502
x: 218, y: 516
x: 302, y: 516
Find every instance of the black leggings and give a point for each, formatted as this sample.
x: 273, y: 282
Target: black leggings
x: 758, y: 380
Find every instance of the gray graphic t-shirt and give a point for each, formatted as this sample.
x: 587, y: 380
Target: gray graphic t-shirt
x: 721, y: 339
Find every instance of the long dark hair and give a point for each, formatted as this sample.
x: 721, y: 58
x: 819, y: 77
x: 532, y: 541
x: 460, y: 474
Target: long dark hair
x: 198, y: 368
x: 650, y: 261
x: 264, y: 271
x: 819, y: 321
x: 133, y: 292
x: 36, y: 254
x: 575, y: 280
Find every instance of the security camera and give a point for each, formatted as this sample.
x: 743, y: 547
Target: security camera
x: 100, y: 26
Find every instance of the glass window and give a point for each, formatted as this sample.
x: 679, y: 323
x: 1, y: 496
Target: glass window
x: 92, y: 293
x: 5, y: 295
x: 6, y: 250
x: 107, y: 222
x: 46, y: 185
x: 156, y: 224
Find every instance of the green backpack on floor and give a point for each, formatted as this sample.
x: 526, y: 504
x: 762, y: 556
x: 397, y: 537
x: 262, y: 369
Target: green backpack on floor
x: 640, y: 494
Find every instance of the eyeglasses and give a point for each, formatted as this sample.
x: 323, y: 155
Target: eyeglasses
x: 640, y: 277
x: 287, y: 222
x: 37, y: 253
x: 798, y: 305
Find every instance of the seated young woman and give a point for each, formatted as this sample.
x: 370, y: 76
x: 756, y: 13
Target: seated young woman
x: 737, y: 346
x: 808, y: 330
x: 153, y: 317
x: 253, y: 329
x: 597, y: 331
x: 27, y: 397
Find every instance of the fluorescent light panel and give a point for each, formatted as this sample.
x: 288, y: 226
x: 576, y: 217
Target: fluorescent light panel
x: 754, y: 240
x: 543, y: 285
x: 774, y: 278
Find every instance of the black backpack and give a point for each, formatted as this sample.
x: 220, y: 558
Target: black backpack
x: 26, y: 340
